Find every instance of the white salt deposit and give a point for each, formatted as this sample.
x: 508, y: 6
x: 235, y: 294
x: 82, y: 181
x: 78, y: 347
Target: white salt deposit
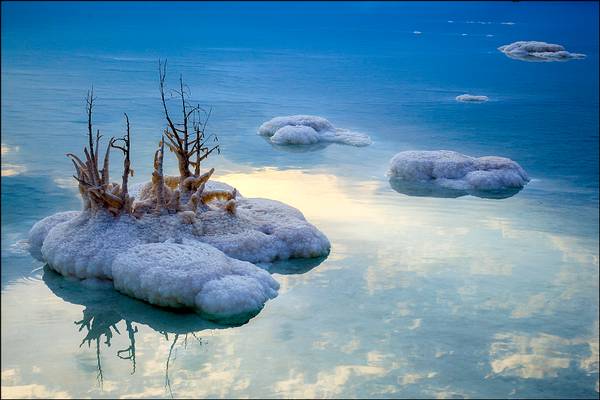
x: 194, y: 276
x: 290, y: 134
x: 417, y: 32
x: 263, y: 231
x: 86, y: 245
x: 453, y: 170
x: 187, y: 267
x: 40, y: 230
x: 317, y: 123
x: 471, y: 98
x: 538, y: 51
x: 309, y: 129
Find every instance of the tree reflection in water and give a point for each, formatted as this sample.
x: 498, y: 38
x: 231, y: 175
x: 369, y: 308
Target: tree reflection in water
x: 105, y: 309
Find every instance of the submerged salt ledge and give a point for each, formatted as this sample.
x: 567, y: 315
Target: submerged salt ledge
x: 469, y: 98
x: 538, y: 51
x: 201, y: 264
x: 309, y: 129
x: 452, y: 170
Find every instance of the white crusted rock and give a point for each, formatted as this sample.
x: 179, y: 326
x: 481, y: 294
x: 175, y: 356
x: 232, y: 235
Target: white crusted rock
x: 453, y: 170
x: 309, y: 129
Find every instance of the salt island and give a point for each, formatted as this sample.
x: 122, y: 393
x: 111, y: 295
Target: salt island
x: 175, y: 241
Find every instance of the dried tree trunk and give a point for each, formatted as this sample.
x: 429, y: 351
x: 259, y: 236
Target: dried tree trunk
x: 94, y: 185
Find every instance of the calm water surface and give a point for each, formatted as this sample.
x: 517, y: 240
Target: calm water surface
x: 420, y: 296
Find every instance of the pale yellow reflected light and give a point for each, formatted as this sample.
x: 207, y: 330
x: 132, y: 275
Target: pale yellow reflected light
x: 12, y: 169
x: 318, y: 196
x: 9, y: 169
x: 5, y: 149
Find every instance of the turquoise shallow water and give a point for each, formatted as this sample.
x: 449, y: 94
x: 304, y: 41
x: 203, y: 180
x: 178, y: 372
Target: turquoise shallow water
x: 420, y: 296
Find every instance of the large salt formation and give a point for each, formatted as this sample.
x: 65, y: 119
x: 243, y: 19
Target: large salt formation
x: 445, y: 173
x: 309, y: 129
x: 538, y: 51
x: 176, y: 241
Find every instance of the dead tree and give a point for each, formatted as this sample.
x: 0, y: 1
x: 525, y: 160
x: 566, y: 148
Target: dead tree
x: 97, y: 191
x: 163, y: 199
x: 191, y: 145
x: 187, y: 139
x: 127, y: 171
x: 165, y: 195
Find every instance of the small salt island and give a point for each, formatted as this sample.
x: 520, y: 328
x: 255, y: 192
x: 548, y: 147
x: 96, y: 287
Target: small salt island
x: 469, y: 98
x: 538, y: 51
x: 176, y: 241
x: 307, y: 130
x: 445, y: 173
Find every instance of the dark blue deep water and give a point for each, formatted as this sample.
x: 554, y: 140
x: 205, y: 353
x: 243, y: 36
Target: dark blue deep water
x: 420, y: 296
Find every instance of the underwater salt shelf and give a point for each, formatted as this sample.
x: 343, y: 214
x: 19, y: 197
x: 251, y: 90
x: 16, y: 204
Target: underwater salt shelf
x: 444, y: 173
x: 538, y: 51
x: 309, y: 130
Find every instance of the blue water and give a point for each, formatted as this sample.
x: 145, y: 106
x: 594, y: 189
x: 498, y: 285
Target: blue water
x: 420, y: 296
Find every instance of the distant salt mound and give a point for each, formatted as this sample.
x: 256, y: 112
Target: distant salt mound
x: 194, y: 276
x: 309, y: 130
x: 538, y: 51
x: 451, y: 170
x: 469, y: 98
